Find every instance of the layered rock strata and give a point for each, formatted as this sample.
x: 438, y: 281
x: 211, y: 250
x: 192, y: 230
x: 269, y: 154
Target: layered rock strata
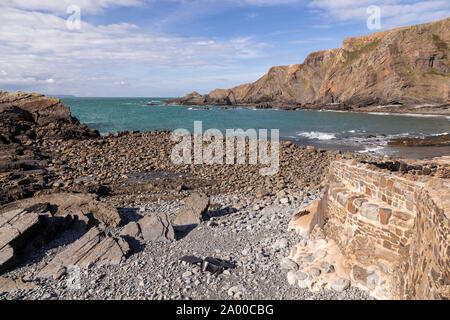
x: 392, y: 69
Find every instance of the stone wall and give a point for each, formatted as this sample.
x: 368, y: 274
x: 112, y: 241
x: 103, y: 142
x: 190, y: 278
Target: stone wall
x: 392, y: 228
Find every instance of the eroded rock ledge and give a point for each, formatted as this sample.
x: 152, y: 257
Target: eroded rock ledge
x: 392, y: 230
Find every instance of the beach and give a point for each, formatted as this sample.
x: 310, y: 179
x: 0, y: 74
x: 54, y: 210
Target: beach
x: 111, y: 187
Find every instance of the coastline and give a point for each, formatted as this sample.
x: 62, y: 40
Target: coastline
x: 429, y: 110
x: 84, y: 185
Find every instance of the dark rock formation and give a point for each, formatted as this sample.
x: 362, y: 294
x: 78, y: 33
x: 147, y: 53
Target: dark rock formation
x: 27, y: 121
x: 441, y: 140
x: 26, y: 117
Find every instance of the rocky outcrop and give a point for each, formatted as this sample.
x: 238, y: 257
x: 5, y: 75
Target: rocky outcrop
x: 195, y: 208
x: 26, y: 116
x: 37, y: 221
x: 70, y: 203
x: 16, y: 228
x: 95, y: 247
x: 27, y: 122
x: 441, y: 140
x: 404, y: 66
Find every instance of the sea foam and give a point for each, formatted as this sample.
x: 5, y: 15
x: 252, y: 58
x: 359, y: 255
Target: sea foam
x: 317, y: 135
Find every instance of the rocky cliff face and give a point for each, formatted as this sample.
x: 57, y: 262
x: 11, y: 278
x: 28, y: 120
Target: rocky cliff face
x: 27, y: 123
x: 30, y: 116
x: 404, y: 66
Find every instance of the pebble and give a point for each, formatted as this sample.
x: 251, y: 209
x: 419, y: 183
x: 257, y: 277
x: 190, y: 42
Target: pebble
x: 315, y: 272
x: 341, y: 285
x: 320, y: 254
x: 301, y: 275
x: 327, y: 268
x: 236, y: 291
x: 288, y: 264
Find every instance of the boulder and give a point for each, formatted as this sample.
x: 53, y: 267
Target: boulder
x: 195, y: 209
x: 341, y: 285
x: 156, y: 228
x: 131, y: 230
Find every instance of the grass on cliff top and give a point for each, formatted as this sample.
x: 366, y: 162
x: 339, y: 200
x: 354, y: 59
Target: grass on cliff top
x: 437, y: 72
x: 352, y: 56
x: 440, y: 44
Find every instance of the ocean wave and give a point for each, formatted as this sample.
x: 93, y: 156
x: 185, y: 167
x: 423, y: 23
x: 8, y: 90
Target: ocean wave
x: 375, y: 149
x: 440, y: 134
x: 317, y: 135
x: 417, y: 115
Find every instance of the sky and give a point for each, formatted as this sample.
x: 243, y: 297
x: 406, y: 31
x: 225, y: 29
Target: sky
x: 156, y: 48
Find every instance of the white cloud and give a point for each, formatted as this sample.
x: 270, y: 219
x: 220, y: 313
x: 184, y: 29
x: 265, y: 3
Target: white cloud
x: 268, y: 2
x: 37, y: 47
x: 393, y: 12
x: 60, y: 6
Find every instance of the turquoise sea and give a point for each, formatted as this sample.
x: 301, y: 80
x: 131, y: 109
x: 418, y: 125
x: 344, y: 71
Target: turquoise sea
x: 360, y: 132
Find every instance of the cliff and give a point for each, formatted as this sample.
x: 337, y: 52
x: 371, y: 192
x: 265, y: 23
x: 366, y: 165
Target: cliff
x: 406, y: 66
x: 26, y: 116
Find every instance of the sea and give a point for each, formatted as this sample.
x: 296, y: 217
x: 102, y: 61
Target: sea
x: 345, y: 131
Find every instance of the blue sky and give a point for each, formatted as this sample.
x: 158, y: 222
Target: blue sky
x: 169, y: 48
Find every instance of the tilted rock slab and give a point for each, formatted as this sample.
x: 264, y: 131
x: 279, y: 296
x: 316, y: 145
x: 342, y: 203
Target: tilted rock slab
x: 195, y: 208
x: 74, y: 203
x: 16, y: 228
x: 7, y: 257
x: 93, y: 248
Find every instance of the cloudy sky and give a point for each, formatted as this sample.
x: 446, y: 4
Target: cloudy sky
x: 168, y: 48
